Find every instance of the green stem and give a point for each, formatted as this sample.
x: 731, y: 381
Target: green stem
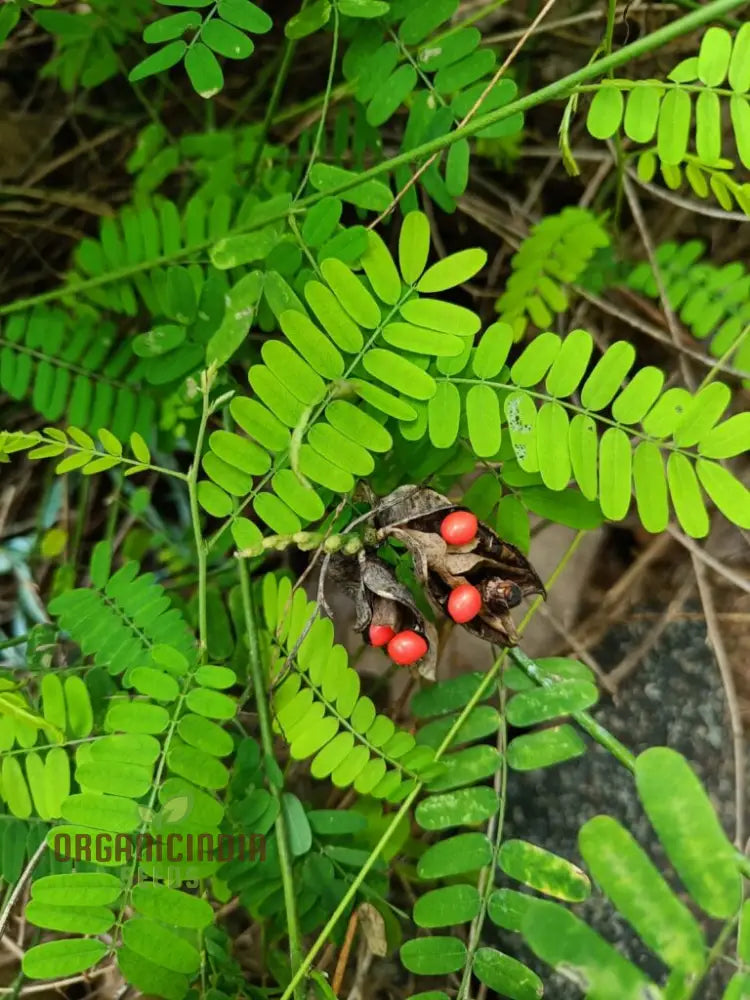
x: 487, y: 877
x: 350, y: 893
x: 553, y: 91
x: 724, y: 358
x: 273, y: 103
x: 324, y: 110
x: 609, y: 36
x: 743, y: 863
x: 597, y: 732
x: 16, y: 641
x: 609, y: 31
x: 266, y: 738
x: 716, y: 951
x: 195, y: 518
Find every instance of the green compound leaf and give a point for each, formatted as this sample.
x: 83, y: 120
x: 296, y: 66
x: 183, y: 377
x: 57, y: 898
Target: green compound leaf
x: 464, y: 807
x: 605, y: 112
x: 309, y: 20
x: 413, y: 246
x: 169, y: 906
x: 713, y: 57
x: 203, y: 70
x: 543, y: 871
x: 85, y: 889
x: 668, y: 113
x: 150, y: 977
x: 363, y: 8
x: 160, y: 945
x: 465, y: 852
x: 566, y: 943
x: 544, y: 749
x: 159, y: 61
x: 686, y: 496
x: 687, y: 826
x: 78, y: 920
x: 506, y: 976
x: 650, y: 484
x: 246, y: 15
x: 453, y: 270
x: 55, y: 959
x: 542, y: 704
x: 730, y: 495
x: 169, y: 28
x: 226, y: 40
x: 625, y: 873
x: 433, y: 956
x: 447, y: 907
x: 373, y: 195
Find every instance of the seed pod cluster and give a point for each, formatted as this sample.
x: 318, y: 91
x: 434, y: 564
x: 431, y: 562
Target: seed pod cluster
x: 386, y: 611
x: 466, y: 570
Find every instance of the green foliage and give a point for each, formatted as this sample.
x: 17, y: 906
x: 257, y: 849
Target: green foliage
x: 130, y: 610
x: 77, y: 368
x: 37, y: 781
x: 419, y: 57
x: 87, y: 40
x: 556, y: 253
x: 664, y: 111
x: 225, y: 30
x: 459, y: 805
x: 319, y: 710
x: 554, y: 440
x: 687, y: 826
x: 163, y: 746
x: 291, y: 349
x: 299, y: 416
x: 711, y: 301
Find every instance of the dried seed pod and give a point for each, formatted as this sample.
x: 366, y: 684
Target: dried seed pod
x: 380, y: 600
x: 499, y: 571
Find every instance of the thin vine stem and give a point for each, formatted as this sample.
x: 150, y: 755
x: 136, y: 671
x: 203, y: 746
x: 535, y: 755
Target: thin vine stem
x: 596, y: 731
x: 266, y: 738
x: 200, y: 542
x: 273, y: 103
x: 487, y: 876
x: 324, y: 110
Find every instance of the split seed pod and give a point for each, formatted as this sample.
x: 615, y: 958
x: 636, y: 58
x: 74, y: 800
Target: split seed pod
x: 379, y: 599
x: 502, y: 574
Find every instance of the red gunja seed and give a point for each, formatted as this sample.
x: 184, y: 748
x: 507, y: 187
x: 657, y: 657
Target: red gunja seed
x: 380, y: 635
x: 459, y: 528
x: 464, y: 603
x: 406, y: 648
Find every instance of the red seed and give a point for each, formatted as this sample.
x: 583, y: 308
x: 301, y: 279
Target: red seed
x: 464, y: 603
x: 459, y: 528
x: 406, y: 648
x: 380, y: 635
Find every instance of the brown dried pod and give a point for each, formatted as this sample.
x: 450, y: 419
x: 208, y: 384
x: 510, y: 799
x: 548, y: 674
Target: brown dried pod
x: 501, y: 573
x: 380, y: 599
